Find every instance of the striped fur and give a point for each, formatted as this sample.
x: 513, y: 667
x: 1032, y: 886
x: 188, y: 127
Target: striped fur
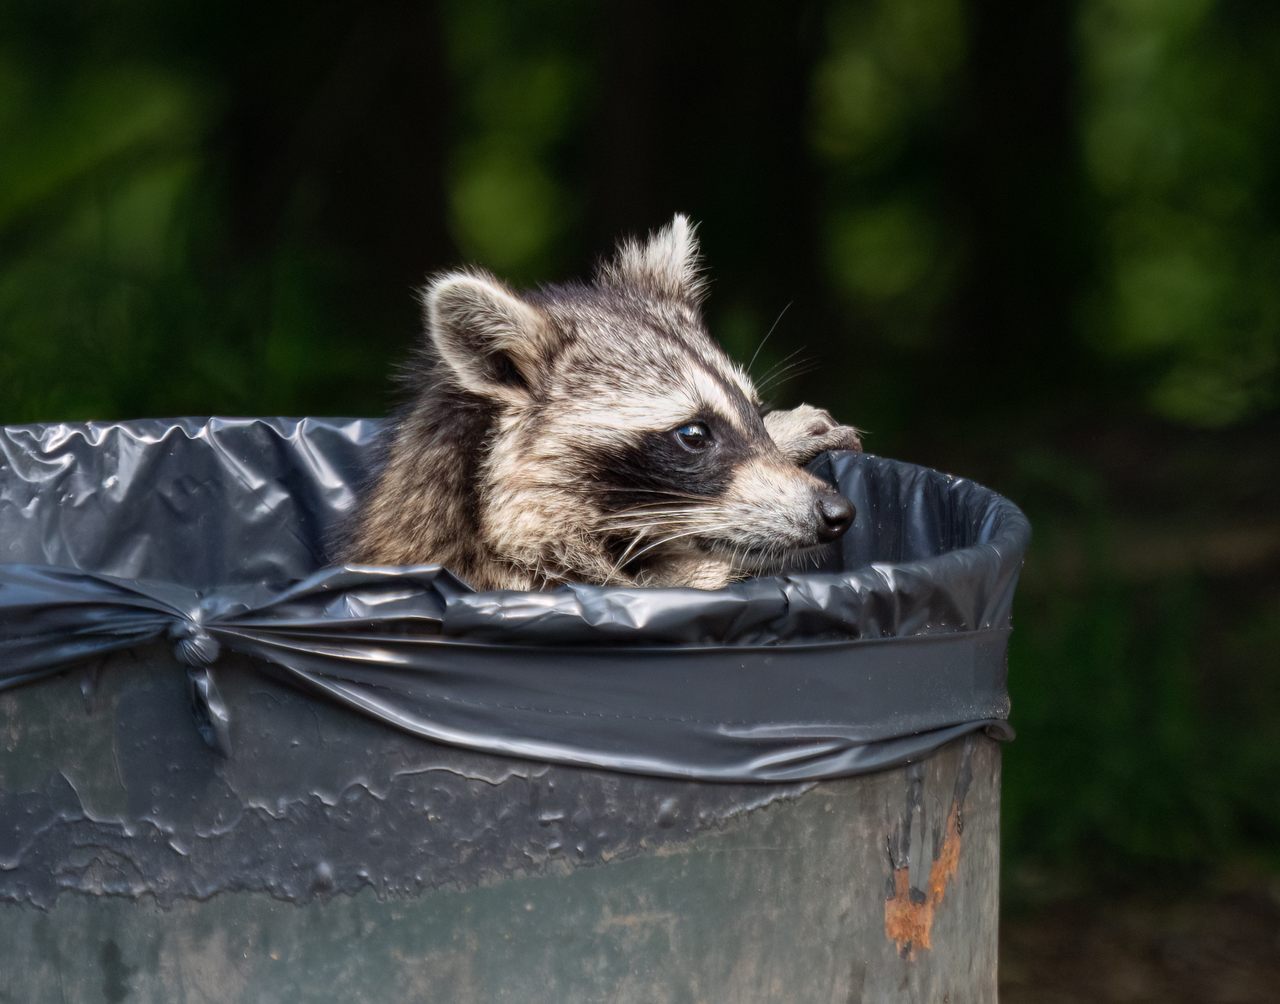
x: 541, y: 443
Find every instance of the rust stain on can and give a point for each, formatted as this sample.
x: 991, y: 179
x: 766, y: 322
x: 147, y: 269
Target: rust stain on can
x: 908, y: 911
x: 908, y: 916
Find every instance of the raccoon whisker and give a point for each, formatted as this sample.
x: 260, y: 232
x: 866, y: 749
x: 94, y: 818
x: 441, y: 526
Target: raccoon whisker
x: 787, y: 365
x: 650, y: 512
x: 648, y: 516
x: 658, y: 528
x: 781, y: 362
x: 734, y: 557
x: 627, y: 555
x: 635, y: 518
x: 790, y: 373
x: 791, y: 358
x: 654, y: 527
x: 538, y: 572
x: 686, y: 496
x: 642, y: 491
x: 647, y: 526
x: 660, y: 507
x: 678, y: 536
x: 621, y: 562
x: 772, y: 327
x: 777, y: 382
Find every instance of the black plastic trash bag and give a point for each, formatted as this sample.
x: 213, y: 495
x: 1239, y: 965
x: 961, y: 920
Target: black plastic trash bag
x: 210, y: 533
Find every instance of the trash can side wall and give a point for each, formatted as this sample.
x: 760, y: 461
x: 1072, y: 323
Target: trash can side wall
x: 333, y: 859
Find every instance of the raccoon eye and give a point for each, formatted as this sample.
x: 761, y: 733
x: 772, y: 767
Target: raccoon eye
x: 694, y: 436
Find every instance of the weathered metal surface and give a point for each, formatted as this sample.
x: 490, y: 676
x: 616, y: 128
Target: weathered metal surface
x: 334, y: 859
x: 909, y: 911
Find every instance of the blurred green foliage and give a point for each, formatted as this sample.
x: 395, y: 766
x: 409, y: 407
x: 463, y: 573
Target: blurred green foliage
x: 1180, y: 141
x: 1034, y: 243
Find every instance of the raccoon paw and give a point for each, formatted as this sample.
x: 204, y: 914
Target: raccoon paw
x: 804, y: 432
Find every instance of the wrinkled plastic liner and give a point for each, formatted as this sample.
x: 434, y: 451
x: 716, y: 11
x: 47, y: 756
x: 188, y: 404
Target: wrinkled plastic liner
x: 212, y: 534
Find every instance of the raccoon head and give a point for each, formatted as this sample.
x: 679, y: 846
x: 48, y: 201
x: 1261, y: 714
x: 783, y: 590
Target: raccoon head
x: 624, y: 446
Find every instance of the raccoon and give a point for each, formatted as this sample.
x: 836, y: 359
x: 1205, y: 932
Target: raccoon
x: 593, y: 432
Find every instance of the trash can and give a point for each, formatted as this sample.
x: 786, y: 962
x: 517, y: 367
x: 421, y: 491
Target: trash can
x: 229, y: 772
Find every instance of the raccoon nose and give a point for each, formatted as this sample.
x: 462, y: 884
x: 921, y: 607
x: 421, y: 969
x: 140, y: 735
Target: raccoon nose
x: 835, y: 516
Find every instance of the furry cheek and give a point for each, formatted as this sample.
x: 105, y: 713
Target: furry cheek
x: 770, y: 505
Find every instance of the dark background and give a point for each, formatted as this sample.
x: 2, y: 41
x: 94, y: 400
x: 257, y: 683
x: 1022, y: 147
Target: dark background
x: 1033, y: 243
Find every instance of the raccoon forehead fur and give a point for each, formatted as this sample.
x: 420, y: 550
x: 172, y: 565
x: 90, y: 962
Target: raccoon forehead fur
x: 588, y: 432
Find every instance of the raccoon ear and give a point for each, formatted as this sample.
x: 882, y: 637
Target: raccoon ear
x: 667, y: 263
x: 492, y: 341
